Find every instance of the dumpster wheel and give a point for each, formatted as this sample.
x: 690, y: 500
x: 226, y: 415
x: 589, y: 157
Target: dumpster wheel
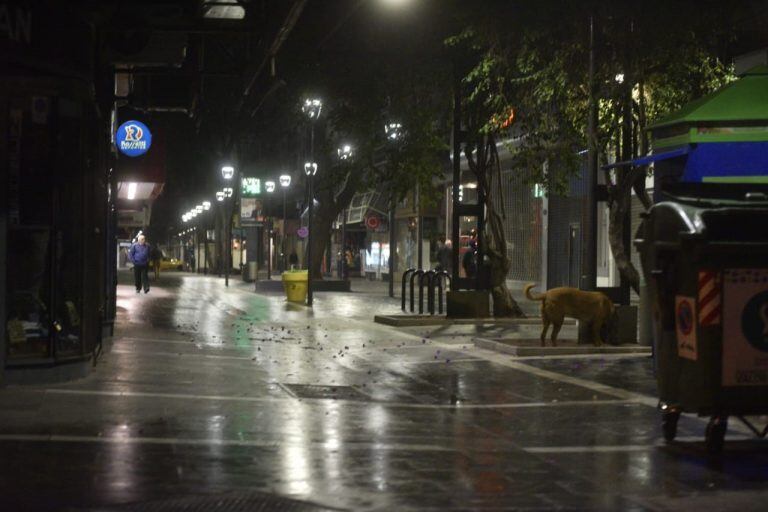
x: 715, y: 434
x: 669, y: 424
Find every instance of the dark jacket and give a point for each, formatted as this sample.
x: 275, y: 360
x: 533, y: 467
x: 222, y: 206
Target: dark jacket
x: 469, y: 261
x: 139, y: 254
x: 444, y: 257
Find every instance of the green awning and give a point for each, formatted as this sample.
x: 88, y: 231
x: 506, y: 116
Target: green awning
x: 742, y: 101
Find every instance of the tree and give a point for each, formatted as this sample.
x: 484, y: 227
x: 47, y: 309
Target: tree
x: 363, y: 92
x: 533, y: 60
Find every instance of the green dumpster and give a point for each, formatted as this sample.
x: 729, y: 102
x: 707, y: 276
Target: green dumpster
x: 704, y: 253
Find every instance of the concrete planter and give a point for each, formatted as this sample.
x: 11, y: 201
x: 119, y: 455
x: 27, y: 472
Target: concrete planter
x: 468, y: 304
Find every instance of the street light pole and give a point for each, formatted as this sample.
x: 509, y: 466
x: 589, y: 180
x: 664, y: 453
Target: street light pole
x: 285, y: 182
x: 419, y: 228
x: 393, y: 132
x: 312, y: 109
x: 206, y: 205
x: 228, y: 241
x: 310, y: 169
x: 228, y: 173
x: 343, y: 244
x: 220, y: 195
x: 345, y: 153
x: 229, y: 211
x: 269, y: 187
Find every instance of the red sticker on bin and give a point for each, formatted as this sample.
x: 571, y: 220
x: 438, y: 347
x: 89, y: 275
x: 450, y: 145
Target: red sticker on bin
x: 710, y: 298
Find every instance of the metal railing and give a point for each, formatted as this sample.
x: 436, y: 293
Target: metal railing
x: 432, y: 279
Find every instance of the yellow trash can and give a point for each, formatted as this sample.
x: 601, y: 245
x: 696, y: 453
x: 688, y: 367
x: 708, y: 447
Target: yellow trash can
x: 295, y: 285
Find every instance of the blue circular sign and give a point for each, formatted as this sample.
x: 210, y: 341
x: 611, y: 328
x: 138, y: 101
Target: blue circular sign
x: 754, y: 321
x: 133, y: 138
x: 685, y: 317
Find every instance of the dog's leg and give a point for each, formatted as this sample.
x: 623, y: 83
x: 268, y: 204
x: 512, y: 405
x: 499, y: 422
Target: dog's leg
x: 597, y: 325
x: 545, y: 321
x: 555, y: 331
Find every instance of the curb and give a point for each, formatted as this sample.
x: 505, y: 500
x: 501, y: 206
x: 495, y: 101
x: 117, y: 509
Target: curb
x: 427, y: 320
x: 506, y: 347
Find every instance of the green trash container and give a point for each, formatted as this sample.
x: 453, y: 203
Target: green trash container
x: 704, y: 253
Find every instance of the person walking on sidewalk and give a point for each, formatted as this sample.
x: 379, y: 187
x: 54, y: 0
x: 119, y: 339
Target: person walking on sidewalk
x: 157, y: 260
x: 139, y: 256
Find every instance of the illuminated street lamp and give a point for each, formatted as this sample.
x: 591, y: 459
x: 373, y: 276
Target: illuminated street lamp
x: 395, y: 3
x: 345, y: 152
x: 228, y: 191
x: 206, y: 205
x: 220, y: 195
x: 312, y: 108
x: 269, y: 186
x: 227, y: 172
x: 393, y: 131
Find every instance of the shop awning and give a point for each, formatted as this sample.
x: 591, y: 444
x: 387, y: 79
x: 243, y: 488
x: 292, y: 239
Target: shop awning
x: 649, y: 159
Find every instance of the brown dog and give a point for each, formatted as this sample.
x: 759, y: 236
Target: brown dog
x: 557, y: 303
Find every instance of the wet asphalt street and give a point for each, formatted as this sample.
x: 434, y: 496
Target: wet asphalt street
x: 213, y: 395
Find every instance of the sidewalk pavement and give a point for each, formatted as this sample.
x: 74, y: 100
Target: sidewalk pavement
x: 215, y: 393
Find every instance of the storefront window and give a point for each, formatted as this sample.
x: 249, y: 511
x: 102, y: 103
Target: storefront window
x: 45, y: 258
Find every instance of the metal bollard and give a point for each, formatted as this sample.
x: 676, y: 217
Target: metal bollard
x: 402, y: 291
x: 428, y: 275
x: 416, y: 273
x: 439, y: 276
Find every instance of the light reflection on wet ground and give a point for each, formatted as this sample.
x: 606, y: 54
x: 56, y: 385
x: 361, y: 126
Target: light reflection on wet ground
x: 195, y: 398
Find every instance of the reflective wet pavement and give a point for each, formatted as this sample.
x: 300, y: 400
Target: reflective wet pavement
x: 211, y: 391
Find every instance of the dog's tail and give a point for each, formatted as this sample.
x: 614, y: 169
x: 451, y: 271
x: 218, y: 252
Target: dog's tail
x: 530, y: 296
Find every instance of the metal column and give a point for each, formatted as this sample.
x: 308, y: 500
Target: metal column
x: 309, y: 241
x: 343, y: 245
x: 456, y: 136
x: 419, y: 228
x: 392, y: 246
x: 589, y: 245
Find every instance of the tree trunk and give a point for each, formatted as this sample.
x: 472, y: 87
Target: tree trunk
x: 618, y: 209
x: 504, y: 305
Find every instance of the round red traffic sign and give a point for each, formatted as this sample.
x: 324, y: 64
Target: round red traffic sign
x: 372, y: 222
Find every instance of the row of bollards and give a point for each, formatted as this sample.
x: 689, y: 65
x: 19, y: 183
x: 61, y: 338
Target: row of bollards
x: 434, y: 279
